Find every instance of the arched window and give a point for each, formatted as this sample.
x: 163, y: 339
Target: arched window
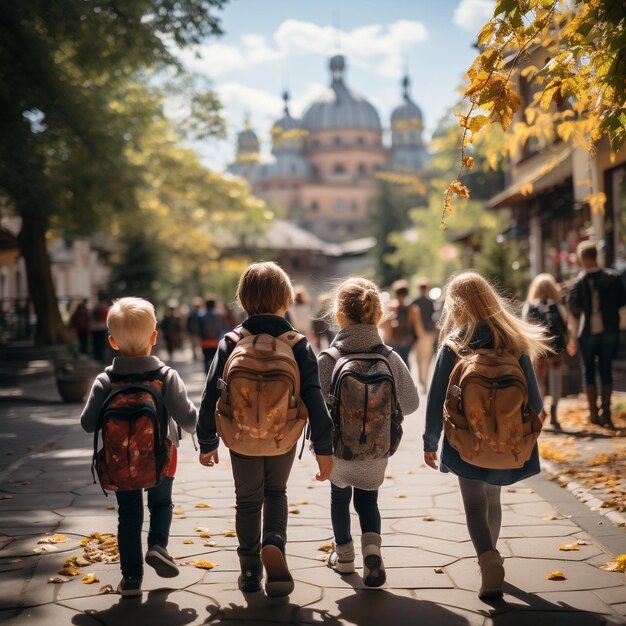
x: 337, y: 141
x: 339, y: 169
x: 360, y: 140
x: 339, y: 206
x: 315, y: 206
x: 362, y: 169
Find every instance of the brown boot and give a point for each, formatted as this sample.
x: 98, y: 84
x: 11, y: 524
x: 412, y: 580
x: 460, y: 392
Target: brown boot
x: 492, y: 575
x: 554, y: 422
x: 605, y: 418
x: 590, y: 390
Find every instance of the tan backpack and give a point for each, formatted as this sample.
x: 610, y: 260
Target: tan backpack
x: 487, y: 418
x: 260, y: 411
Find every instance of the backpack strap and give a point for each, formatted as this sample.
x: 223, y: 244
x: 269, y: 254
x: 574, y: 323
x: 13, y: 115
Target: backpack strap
x: 237, y: 334
x: 333, y: 353
x: 383, y: 350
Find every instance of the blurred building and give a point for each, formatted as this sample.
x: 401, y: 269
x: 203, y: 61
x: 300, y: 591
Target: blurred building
x: 324, y: 166
x: 548, y: 189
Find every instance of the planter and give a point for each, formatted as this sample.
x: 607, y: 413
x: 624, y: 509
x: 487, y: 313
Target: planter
x: 73, y: 388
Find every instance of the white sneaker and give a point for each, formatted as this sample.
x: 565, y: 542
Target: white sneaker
x: 341, y: 559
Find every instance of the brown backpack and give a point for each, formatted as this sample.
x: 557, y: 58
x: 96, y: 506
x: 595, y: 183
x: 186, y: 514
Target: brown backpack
x: 487, y: 418
x: 260, y: 411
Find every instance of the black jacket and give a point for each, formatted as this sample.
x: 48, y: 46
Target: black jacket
x: 611, y: 294
x: 310, y: 391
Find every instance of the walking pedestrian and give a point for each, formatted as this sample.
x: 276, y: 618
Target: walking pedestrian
x: 253, y: 412
x: 403, y: 325
x: 80, y: 324
x: 594, y: 302
x: 426, y: 339
x: 477, y: 321
x: 363, y: 422
x: 543, y: 305
x: 132, y: 325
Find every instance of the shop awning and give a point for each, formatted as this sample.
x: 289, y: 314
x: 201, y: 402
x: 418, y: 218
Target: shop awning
x: 549, y: 170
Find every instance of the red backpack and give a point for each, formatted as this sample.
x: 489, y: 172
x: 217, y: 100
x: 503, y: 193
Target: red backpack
x: 135, y: 452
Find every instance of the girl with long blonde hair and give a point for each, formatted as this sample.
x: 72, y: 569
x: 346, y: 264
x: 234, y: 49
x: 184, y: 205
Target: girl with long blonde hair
x: 476, y: 317
x: 543, y: 305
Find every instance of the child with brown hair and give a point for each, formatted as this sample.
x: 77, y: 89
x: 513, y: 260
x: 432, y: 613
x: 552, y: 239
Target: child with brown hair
x: 257, y: 416
x: 475, y: 319
x: 367, y: 406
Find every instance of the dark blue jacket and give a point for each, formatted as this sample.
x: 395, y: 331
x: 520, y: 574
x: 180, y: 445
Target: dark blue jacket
x: 319, y: 419
x: 450, y: 459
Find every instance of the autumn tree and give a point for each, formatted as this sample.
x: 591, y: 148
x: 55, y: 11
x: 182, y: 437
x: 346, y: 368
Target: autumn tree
x: 578, y: 86
x: 67, y: 69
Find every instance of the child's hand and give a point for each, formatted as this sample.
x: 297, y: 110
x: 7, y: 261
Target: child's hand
x: 430, y: 458
x: 208, y: 459
x: 572, y: 348
x: 325, y: 464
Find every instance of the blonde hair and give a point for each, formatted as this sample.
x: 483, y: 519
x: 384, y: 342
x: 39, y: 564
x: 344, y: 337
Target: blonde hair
x: 358, y: 301
x: 264, y: 288
x: 131, y: 322
x: 470, y: 300
x: 543, y: 287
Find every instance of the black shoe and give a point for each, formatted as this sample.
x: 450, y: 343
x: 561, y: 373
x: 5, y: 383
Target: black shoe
x: 164, y: 565
x: 249, y: 581
x: 129, y: 587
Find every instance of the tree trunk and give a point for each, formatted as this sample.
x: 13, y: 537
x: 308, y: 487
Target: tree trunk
x: 50, y: 329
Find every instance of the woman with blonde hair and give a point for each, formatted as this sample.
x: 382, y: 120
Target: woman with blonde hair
x: 476, y: 318
x: 543, y: 305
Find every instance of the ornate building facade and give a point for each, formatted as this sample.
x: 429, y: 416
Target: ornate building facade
x: 325, y: 167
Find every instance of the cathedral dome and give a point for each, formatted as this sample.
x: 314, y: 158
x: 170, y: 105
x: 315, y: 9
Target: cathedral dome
x: 339, y: 108
x: 287, y: 132
x: 407, y: 112
x: 286, y: 166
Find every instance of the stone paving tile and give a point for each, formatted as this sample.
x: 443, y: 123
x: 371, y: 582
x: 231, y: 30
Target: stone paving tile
x: 542, y: 547
x: 164, y: 608
x: 48, y: 615
x: 378, y: 607
x: 530, y: 575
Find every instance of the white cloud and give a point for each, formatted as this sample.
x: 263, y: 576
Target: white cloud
x: 215, y: 59
x: 472, y: 14
x: 370, y: 46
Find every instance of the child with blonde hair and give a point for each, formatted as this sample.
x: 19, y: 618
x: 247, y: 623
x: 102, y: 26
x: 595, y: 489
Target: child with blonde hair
x: 132, y: 326
x: 376, y: 390
x: 476, y: 320
x: 259, y: 415
x: 543, y: 305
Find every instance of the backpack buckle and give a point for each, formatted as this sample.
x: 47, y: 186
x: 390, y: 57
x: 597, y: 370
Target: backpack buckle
x: 222, y: 385
x: 332, y: 401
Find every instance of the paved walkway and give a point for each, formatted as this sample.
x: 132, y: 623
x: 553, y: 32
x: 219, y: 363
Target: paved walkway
x: 423, y: 530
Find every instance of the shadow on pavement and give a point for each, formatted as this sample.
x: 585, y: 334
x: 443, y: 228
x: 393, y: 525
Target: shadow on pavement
x: 155, y: 610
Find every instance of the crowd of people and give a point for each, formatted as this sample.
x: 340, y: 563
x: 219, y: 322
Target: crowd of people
x: 341, y: 368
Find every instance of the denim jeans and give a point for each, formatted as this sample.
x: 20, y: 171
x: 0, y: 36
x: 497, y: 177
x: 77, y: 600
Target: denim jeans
x: 130, y: 520
x: 604, y: 347
x: 366, y: 506
x: 261, y: 485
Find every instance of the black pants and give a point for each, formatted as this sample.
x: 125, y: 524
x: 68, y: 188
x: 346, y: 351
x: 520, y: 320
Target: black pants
x: 261, y: 485
x: 366, y: 506
x: 130, y: 520
x: 208, y: 354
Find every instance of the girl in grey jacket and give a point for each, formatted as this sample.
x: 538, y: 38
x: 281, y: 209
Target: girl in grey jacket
x: 358, y: 311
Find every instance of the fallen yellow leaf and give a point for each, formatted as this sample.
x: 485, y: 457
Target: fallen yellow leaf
x: 230, y: 533
x: 556, y: 576
x: 618, y: 564
x: 90, y: 579
x: 302, y: 502
x: 201, y: 529
x: 69, y: 570
x: 188, y: 541
x: 295, y: 511
x: 428, y: 518
x: 567, y: 547
x: 106, y: 589
x: 178, y: 512
x: 438, y: 570
x: 209, y: 544
x: 203, y: 505
x: 59, y: 579
x: 326, y: 547
x: 205, y: 564
x: 205, y: 535
x: 401, y: 495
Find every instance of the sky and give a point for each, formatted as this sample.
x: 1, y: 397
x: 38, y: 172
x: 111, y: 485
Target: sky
x: 270, y: 46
